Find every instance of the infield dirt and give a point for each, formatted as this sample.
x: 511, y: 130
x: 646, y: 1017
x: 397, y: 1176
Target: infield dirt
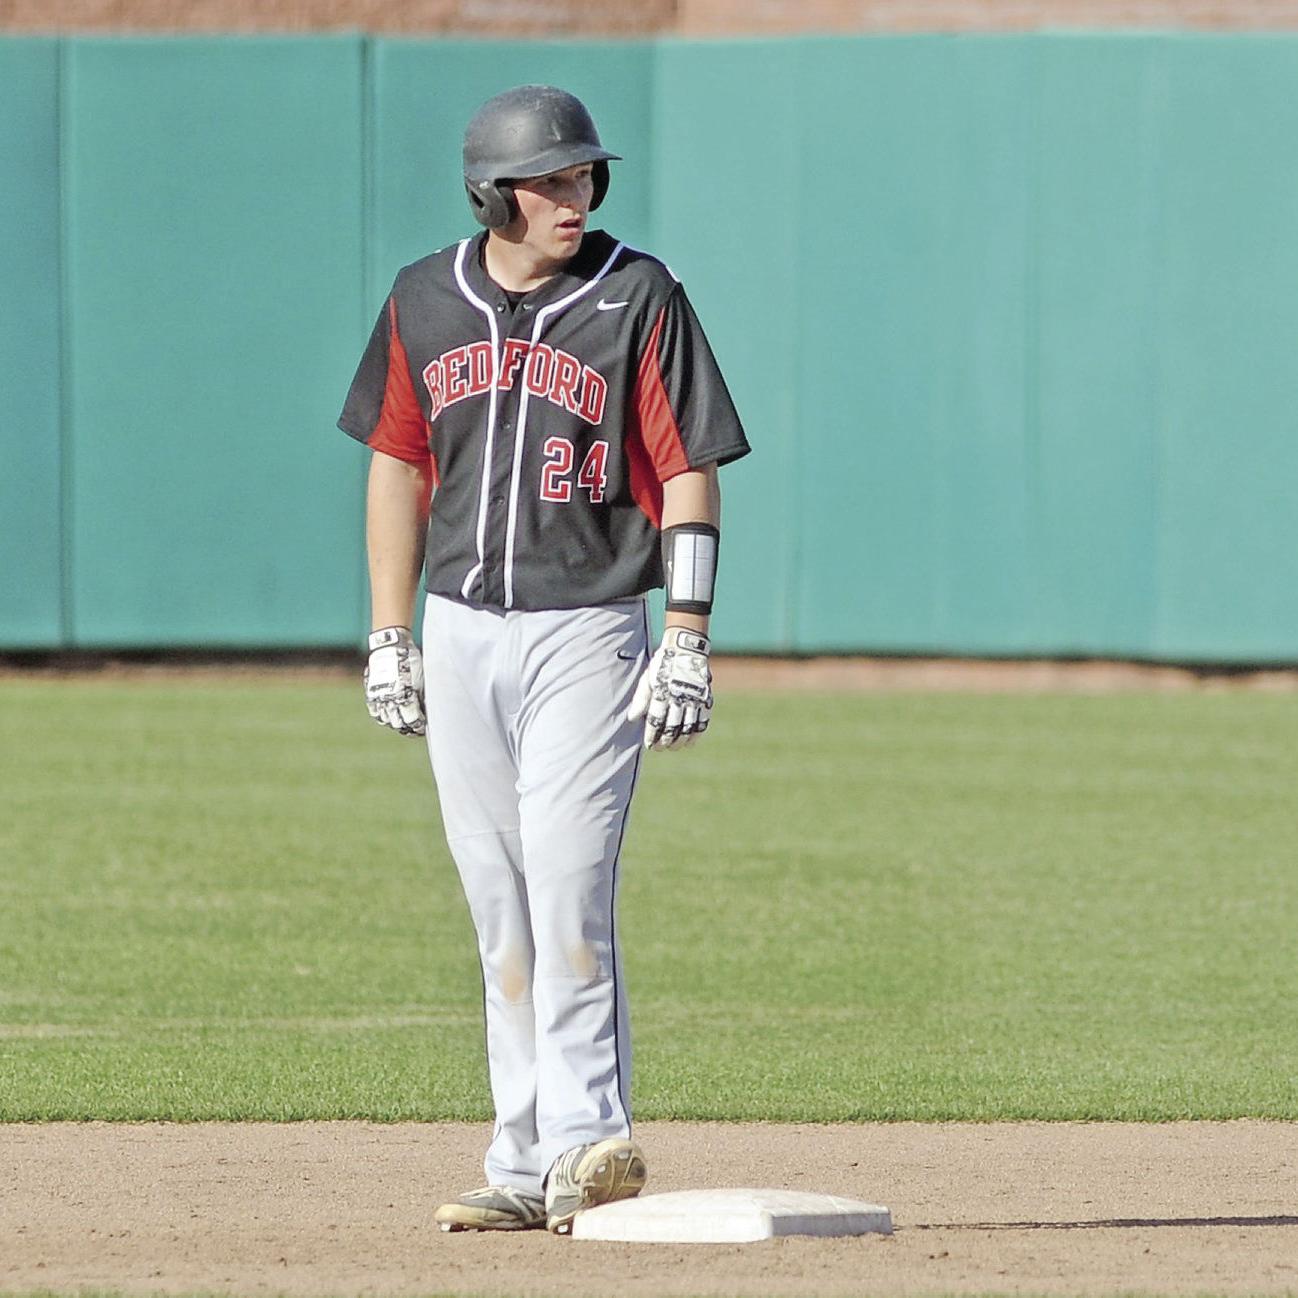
x: 345, y: 1208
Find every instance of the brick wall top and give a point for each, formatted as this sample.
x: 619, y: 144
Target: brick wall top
x: 628, y: 18
x: 717, y: 17
x: 462, y: 17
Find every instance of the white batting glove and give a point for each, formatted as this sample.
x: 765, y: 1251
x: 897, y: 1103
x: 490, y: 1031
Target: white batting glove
x: 394, y: 681
x: 675, y: 693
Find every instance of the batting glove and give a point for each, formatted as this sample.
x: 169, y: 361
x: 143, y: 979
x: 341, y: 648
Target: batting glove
x: 394, y: 681
x: 675, y: 693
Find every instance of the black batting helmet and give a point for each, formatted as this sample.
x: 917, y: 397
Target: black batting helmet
x: 528, y: 131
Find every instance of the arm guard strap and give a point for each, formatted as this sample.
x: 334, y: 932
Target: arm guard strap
x: 690, y: 565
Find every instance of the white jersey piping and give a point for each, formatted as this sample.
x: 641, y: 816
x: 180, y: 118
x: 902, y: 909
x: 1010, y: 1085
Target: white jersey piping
x: 486, y: 310
x: 542, y: 317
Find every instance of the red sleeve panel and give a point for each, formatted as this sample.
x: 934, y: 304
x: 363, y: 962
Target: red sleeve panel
x: 654, y: 448
x: 681, y: 414
x: 400, y: 431
x: 659, y: 431
x: 382, y: 408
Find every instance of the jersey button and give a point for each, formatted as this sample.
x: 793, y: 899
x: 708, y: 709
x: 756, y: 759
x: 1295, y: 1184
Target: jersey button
x: 497, y: 500
x: 500, y: 306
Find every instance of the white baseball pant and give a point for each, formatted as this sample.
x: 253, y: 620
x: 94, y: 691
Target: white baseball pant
x: 535, y: 766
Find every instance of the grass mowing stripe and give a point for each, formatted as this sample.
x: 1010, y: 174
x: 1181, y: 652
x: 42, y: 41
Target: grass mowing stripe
x: 233, y: 901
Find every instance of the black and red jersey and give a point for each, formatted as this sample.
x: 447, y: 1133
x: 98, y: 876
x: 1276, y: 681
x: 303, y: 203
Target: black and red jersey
x: 551, y: 421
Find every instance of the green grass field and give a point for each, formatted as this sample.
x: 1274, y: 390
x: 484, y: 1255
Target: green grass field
x: 232, y: 901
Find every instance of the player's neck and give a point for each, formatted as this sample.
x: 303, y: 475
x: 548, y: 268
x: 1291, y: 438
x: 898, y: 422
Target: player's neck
x: 517, y: 267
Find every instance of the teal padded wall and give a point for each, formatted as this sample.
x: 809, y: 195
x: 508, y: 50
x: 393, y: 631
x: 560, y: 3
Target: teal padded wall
x: 214, y: 262
x: 31, y: 576
x: 1167, y: 326
x: 729, y: 219
x: 911, y: 491
x: 1093, y: 351
x: 1011, y: 321
x: 1227, y: 371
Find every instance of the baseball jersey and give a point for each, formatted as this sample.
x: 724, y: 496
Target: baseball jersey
x: 550, y: 422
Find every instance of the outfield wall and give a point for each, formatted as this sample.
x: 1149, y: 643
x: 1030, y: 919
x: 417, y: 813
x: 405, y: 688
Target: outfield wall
x: 1012, y: 322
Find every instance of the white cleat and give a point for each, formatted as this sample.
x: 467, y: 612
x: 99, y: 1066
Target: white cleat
x: 494, y: 1207
x: 591, y: 1174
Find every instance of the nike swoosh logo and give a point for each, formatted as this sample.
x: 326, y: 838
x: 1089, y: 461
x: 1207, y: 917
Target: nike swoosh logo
x: 601, y: 305
x: 627, y: 658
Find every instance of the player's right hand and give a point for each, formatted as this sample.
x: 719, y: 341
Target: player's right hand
x: 674, y: 696
x: 394, y: 681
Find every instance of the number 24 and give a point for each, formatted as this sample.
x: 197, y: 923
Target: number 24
x: 559, y: 456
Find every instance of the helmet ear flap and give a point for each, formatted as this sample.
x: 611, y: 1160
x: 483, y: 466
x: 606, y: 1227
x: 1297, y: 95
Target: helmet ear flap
x: 598, y: 174
x: 493, y: 205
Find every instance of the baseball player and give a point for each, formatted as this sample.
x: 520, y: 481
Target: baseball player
x: 550, y: 391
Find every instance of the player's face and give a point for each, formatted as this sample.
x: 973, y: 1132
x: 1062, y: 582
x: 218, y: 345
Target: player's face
x: 552, y: 210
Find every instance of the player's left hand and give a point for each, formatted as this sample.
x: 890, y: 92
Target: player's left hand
x: 394, y: 681
x: 675, y: 693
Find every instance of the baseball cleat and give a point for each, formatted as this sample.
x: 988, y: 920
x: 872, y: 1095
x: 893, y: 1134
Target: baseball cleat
x: 494, y: 1207
x: 591, y: 1174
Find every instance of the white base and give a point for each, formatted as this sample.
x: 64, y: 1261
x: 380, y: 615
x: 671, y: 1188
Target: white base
x: 729, y: 1217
